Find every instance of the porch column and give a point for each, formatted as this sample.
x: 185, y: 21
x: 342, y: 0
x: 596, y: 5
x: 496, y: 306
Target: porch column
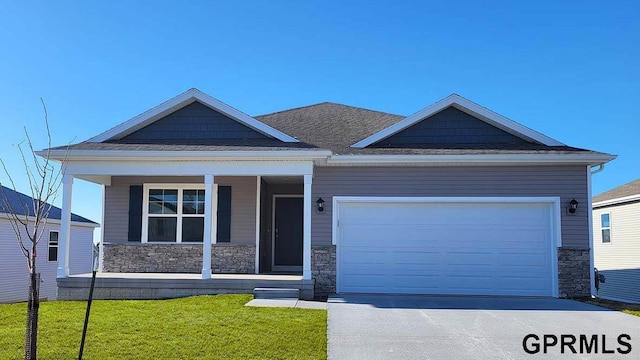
x: 210, y: 211
x: 306, y: 229
x: 65, y: 227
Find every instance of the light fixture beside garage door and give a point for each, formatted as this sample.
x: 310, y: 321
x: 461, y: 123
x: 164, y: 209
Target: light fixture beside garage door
x: 573, y: 206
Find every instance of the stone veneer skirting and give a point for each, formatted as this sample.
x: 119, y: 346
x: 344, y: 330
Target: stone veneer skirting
x: 178, y: 258
x: 574, y: 272
x: 323, y: 269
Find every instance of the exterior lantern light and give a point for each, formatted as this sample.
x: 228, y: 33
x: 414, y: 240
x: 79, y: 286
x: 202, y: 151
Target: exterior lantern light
x: 320, y: 204
x: 573, y: 206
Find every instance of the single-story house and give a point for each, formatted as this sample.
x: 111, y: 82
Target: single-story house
x: 616, y: 234
x: 454, y: 199
x: 14, y: 282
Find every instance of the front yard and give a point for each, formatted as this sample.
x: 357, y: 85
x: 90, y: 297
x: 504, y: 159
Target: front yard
x: 201, y: 327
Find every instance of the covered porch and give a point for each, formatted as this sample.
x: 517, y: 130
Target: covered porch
x: 217, y: 227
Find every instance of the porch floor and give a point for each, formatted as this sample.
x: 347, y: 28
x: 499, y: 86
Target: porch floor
x: 173, y: 285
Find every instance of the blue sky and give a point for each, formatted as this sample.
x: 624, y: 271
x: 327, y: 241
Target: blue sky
x: 568, y: 69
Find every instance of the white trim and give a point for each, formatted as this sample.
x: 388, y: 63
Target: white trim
x: 552, y: 201
x: 615, y: 201
x: 470, y: 159
x: 592, y: 282
x: 207, y: 234
x: 468, y: 107
x: 173, y: 155
x: 191, y: 168
x: 275, y: 267
x: 180, y: 187
x: 188, y: 97
x: 258, y: 189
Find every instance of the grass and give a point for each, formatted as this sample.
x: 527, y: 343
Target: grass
x: 201, y: 327
x: 632, y: 309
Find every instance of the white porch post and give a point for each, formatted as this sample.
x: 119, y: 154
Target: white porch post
x: 257, y: 261
x: 65, y: 227
x: 210, y: 214
x: 306, y: 229
x: 101, y: 245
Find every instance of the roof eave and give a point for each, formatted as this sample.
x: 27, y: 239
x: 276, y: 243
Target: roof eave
x: 615, y: 201
x: 159, y: 155
x: 473, y: 159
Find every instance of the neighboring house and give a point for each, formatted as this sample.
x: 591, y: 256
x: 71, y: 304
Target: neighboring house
x: 454, y: 199
x: 616, y: 229
x: 14, y: 282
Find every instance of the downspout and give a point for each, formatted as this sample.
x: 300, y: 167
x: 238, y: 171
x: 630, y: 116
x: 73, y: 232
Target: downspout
x: 590, y: 220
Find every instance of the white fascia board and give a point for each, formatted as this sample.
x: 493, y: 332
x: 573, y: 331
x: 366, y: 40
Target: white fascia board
x: 616, y: 201
x: 471, y: 159
x: 181, y: 101
x: 160, y: 155
x: 55, y: 221
x: 469, y: 107
x: 83, y: 168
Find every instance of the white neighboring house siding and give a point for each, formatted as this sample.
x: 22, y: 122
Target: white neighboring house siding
x: 14, y: 281
x: 619, y: 260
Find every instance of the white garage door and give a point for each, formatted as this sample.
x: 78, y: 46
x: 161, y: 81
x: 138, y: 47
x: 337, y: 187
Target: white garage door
x: 445, y: 248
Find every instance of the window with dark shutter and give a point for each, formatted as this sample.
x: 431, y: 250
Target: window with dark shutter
x: 135, y: 213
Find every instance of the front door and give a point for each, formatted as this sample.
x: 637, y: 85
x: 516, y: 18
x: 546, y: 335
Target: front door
x: 287, y: 233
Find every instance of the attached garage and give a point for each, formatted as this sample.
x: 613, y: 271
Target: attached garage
x: 463, y: 246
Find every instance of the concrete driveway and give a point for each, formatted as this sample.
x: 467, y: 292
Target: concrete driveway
x: 434, y: 327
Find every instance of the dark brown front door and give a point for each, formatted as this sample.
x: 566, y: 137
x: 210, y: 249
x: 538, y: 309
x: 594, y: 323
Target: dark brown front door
x: 287, y: 233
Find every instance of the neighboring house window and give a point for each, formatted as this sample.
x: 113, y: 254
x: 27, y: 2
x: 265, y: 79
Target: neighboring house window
x: 605, y: 225
x: 53, y: 246
x: 176, y: 214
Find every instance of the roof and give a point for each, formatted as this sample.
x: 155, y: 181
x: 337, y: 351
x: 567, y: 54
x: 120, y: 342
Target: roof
x: 627, y: 190
x: 341, y: 129
x: 16, y: 200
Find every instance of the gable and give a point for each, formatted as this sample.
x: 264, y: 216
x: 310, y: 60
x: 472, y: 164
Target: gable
x: 195, y: 121
x: 450, y: 126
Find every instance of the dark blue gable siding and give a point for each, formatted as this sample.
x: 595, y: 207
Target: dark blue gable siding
x: 451, y: 126
x: 195, y: 121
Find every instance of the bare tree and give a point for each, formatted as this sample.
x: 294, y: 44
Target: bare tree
x: 28, y: 218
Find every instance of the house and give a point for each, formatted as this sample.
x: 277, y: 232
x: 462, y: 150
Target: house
x: 14, y: 282
x: 454, y: 199
x: 616, y: 235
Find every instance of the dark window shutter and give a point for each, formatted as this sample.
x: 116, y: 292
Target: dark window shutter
x: 135, y: 213
x: 224, y: 214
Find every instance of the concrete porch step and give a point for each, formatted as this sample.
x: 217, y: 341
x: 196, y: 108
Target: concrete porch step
x: 275, y: 293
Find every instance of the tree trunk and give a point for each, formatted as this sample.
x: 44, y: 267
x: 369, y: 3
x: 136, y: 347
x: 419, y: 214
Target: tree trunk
x: 33, y: 305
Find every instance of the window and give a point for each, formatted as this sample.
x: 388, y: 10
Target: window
x: 605, y: 225
x: 175, y: 213
x: 53, y: 246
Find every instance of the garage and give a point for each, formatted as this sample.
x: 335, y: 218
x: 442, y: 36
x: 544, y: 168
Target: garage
x: 462, y: 246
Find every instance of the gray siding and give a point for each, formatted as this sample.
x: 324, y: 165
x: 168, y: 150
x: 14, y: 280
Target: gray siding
x: 567, y: 182
x: 195, y: 121
x: 243, y: 199
x: 619, y: 260
x: 14, y: 282
x: 451, y: 126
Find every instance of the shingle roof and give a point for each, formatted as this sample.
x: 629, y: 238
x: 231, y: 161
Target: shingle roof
x: 327, y: 126
x: 336, y: 127
x: 16, y: 200
x: 628, y: 189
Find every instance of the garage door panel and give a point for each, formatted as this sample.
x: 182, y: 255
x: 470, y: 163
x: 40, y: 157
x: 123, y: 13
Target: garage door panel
x: 452, y: 248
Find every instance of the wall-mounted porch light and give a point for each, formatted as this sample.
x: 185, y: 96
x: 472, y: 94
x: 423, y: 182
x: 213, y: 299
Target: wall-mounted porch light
x: 320, y: 204
x: 573, y: 206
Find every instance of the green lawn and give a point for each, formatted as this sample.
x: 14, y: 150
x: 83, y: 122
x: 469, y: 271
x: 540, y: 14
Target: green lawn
x: 201, y: 327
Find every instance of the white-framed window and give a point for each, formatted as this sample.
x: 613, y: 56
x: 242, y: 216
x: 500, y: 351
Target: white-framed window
x: 53, y: 246
x: 173, y: 213
x: 605, y: 227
